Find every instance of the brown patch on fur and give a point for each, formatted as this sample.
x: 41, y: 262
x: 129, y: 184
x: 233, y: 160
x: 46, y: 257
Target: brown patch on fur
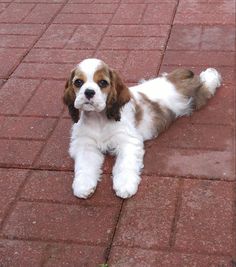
x: 190, y: 85
x: 202, y: 96
x: 102, y: 74
x: 80, y: 75
x: 69, y: 98
x: 138, y: 112
x: 117, y: 97
x: 162, y: 117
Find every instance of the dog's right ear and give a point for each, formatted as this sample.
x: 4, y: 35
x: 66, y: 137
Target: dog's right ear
x: 69, y: 98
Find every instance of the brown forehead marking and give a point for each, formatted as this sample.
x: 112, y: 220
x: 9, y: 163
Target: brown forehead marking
x: 102, y: 74
x: 80, y: 75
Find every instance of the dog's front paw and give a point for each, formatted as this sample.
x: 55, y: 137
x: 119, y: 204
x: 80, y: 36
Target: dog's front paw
x: 83, y: 189
x: 125, y: 185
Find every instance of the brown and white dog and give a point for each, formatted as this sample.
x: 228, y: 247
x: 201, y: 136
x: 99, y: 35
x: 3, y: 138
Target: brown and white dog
x: 110, y: 117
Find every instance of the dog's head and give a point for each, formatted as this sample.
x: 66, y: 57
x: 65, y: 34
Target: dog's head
x: 93, y: 86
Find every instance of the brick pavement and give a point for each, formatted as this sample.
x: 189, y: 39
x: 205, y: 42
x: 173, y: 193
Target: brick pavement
x: 184, y: 211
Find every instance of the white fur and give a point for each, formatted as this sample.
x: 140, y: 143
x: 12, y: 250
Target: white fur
x: 95, y: 135
x: 211, y: 78
x: 98, y: 102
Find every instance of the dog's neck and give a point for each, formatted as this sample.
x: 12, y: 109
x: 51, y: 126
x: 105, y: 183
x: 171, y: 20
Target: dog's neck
x: 89, y: 116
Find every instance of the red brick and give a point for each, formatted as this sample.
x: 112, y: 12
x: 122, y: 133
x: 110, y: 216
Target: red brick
x: 200, y: 227
x: 41, y: 1
x: 138, y: 30
x: 154, y: 191
x: 20, y: 11
x: 86, y: 37
x: 18, y: 152
x: 183, y: 134
x: 2, y: 81
x: 9, y: 59
x: 21, y: 29
x: 89, y: 224
x: 185, y: 37
x: 84, y: 1
x: 10, y: 181
x: 57, y: 56
x: 115, y: 59
x: 204, y: 18
x: 146, y: 1
x: 15, y: 93
x: 3, y: 6
x: 199, y: 58
x: 55, y: 154
x: 200, y: 7
x: 101, y: 1
x: 21, y: 253
x: 129, y: 14
x: 141, y: 65
x: 134, y: 43
x: 145, y: 228
x: 189, y: 163
x: 89, y: 8
x: 205, y: 13
x: 161, y: 13
x: 220, y: 109
x: 121, y: 256
x: 42, y: 13
x: 47, y: 101
x: 147, y: 217
x: 108, y: 164
x: 197, y: 37
x: 74, y: 255
x: 47, y: 71
x: 56, y: 36
x: 218, y: 38
x: 56, y: 186
x: 185, y: 259
x: 210, y: 1
x: 83, y: 18
x: 17, y: 41
x: 24, y: 127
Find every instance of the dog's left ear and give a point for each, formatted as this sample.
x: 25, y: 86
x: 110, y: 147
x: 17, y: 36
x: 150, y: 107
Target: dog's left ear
x: 69, y: 98
x: 118, y: 96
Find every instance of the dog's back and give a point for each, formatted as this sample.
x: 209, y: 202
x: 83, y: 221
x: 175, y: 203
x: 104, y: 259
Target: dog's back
x: 159, y: 101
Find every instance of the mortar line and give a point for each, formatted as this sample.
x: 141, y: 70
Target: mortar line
x: 20, y: 188
x: 36, y: 40
x: 176, y: 217
x: 168, y: 38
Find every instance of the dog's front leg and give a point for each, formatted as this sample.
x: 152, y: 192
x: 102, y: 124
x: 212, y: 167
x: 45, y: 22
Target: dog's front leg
x: 88, y: 164
x: 127, y: 169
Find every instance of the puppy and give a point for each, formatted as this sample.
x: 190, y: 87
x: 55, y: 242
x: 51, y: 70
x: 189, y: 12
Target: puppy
x: 111, y: 118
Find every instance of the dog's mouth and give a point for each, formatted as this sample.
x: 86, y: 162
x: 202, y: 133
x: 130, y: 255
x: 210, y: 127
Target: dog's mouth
x: 88, y: 103
x: 88, y: 106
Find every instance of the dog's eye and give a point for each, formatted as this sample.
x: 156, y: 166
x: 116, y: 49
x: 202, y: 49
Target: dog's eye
x: 78, y: 83
x: 103, y: 83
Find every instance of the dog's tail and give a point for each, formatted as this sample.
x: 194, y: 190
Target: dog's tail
x: 211, y: 80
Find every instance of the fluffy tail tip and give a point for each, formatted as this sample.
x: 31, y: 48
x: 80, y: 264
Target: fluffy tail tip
x: 211, y: 78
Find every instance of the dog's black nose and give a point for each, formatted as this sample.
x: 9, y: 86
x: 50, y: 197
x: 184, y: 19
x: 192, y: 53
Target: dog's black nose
x: 89, y: 93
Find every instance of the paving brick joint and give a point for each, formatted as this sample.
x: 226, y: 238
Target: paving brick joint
x: 184, y: 212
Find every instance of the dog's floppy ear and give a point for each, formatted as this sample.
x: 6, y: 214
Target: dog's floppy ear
x: 119, y: 95
x: 69, y: 98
